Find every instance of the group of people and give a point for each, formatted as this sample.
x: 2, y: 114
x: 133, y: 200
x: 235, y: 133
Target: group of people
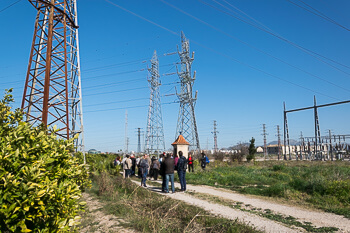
x: 164, y: 166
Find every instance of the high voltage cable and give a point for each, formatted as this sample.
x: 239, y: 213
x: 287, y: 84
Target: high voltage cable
x: 114, y: 65
x: 113, y: 84
x: 109, y: 92
x: 275, y: 32
x: 105, y: 75
x: 10, y: 6
x: 318, y: 13
x: 143, y: 18
x: 222, y: 54
x: 139, y: 106
x: 120, y: 73
x: 307, y: 51
x: 251, y: 46
x: 131, y: 89
x: 115, y: 102
x: 121, y: 101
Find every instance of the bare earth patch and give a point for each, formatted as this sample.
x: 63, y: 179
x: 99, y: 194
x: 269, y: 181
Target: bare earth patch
x: 94, y: 220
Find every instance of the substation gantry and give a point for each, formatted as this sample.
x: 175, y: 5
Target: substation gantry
x: 317, y: 140
x: 52, y: 92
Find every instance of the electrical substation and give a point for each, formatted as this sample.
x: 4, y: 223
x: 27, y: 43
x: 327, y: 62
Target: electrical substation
x: 317, y: 147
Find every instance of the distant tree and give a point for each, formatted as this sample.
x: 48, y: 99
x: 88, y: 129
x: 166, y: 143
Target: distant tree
x: 251, y: 150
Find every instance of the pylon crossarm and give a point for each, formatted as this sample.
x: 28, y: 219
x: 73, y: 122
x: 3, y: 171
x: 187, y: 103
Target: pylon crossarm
x: 50, y: 3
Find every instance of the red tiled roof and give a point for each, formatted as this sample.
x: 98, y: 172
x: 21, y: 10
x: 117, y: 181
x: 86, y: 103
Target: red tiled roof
x: 180, y: 141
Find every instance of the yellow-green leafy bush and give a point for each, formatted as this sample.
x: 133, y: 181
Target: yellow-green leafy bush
x: 40, y: 181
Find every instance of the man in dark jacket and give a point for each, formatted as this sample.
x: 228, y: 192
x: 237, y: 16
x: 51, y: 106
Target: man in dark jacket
x: 204, y: 161
x: 133, y: 166
x: 181, y: 170
x: 144, y: 169
x: 168, y: 171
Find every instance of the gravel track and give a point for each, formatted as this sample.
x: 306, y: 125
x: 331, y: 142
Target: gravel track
x: 317, y: 218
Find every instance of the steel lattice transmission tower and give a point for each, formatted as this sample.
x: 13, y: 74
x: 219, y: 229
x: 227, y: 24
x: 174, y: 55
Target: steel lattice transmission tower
x: 154, y: 132
x: 186, y: 123
x: 215, y: 132
x: 52, y: 92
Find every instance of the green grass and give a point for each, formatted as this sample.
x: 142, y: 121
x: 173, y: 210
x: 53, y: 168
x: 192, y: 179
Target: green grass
x: 147, y: 211
x: 324, y: 185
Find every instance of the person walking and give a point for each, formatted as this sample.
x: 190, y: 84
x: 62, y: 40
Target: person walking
x: 204, y: 161
x: 149, y: 166
x: 127, y: 166
x: 138, y: 159
x: 168, y: 167
x: 133, y: 166
x: 181, y: 170
x: 155, y: 166
x: 190, y: 163
x: 144, y: 169
x: 123, y: 166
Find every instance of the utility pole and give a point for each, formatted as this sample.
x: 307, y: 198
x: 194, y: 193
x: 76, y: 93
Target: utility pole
x: 301, y: 145
x: 52, y: 92
x: 279, y: 141
x: 265, y: 146
x: 317, y: 132
x: 154, y: 132
x: 215, y: 138
x: 286, y: 134
x: 330, y: 144
x: 186, y: 123
x: 126, y: 133
x: 138, y: 140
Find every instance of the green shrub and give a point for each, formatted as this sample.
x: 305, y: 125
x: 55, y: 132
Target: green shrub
x: 40, y: 181
x: 99, y: 163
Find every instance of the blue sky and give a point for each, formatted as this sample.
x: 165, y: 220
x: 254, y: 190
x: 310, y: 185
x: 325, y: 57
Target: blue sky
x: 244, y: 73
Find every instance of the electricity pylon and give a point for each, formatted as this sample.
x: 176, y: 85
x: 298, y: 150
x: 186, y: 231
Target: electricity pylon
x: 186, y: 123
x: 215, y: 132
x: 154, y: 142
x: 52, y: 92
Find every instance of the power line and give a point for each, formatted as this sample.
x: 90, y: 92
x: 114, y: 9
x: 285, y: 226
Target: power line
x: 124, y: 90
x: 113, y: 84
x: 222, y: 54
x: 251, y: 46
x: 10, y: 6
x: 115, y: 102
x: 139, y: 106
x: 318, y: 13
x: 307, y: 51
x: 116, y: 64
x: 143, y: 18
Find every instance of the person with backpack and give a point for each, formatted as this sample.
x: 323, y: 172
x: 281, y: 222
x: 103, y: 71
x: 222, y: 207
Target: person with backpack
x: 190, y: 162
x: 204, y: 161
x: 181, y: 170
x: 144, y: 169
x: 155, y: 166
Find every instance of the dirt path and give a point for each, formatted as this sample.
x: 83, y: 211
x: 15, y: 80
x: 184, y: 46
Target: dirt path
x: 317, y: 218
x: 94, y: 220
